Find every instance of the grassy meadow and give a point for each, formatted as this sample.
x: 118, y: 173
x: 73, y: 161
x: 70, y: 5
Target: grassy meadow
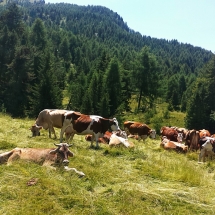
x: 118, y: 181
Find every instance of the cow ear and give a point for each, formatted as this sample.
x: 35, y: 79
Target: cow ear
x: 53, y: 152
x: 71, y: 154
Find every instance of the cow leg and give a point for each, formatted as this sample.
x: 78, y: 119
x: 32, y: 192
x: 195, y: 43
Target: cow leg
x: 92, y: 139
x: 14, y: 156
x: 62, y: 132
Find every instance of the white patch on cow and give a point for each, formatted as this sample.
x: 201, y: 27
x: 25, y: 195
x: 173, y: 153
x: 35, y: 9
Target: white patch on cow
x: 114, y: 140
x: 153, y: 134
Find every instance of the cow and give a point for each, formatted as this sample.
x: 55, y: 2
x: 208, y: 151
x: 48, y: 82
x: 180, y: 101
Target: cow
x: 88, y: 124
x: 183, y: 131
x: 204, y: 133
x: 107, y: 136
x: 48, y: 119
x: 171, y: 145
x: 137, y: 128
x: 171, y: 134
x: 192, y: 140
x: 207, y: 149
x: 116, y: 140
x: 46, y: 157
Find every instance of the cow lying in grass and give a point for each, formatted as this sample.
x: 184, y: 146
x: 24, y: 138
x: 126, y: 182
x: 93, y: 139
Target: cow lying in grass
x: 171, y: 145
x: 46, y: 157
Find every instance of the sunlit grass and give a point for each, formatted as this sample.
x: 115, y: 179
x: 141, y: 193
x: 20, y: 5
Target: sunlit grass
x: 143, y: 180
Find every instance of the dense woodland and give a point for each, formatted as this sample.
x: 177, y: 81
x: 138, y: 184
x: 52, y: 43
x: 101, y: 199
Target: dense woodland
x: 88, y: 53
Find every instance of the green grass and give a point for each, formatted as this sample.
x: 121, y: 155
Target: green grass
x: 118, y: 181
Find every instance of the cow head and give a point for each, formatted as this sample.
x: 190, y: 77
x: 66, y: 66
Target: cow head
x: 35, y: 129
x: 115, y: 125
x: 152, y: 134
x: 62, y: 152
x: 180, y: 137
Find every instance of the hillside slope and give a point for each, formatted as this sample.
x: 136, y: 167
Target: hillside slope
x: 144, y: 180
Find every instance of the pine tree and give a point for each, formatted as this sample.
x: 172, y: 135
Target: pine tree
x: 112, y: 81
x: 145, y: 77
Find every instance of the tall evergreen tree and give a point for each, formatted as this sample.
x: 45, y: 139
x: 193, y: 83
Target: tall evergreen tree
x: 112, y: 85
x: 145, y: 77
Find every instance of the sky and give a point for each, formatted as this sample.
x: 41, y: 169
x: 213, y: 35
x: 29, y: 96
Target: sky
x: 187, y: 21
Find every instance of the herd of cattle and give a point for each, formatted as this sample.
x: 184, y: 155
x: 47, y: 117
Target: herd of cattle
x: 102, y: 130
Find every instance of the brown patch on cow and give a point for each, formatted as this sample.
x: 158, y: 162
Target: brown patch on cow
x: 81, y: 124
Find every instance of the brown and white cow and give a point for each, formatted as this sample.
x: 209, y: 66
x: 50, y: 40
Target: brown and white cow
x: 88, y: 124
x: 192, y: 140
x: 172, y: 145
x: 137, y: 128
x: 48, y: 119
x: 46, y: 157
x: 171, y: 134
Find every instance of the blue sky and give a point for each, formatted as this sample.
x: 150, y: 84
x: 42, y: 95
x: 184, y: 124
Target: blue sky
x: 188, y: 21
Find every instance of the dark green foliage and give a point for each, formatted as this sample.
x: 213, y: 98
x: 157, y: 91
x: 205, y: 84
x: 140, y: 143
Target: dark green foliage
x: 91, y: 52
x: 145, y: 77
x: 202, y: 104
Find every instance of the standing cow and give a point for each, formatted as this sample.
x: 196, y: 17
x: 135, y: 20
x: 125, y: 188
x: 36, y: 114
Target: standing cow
x: 137, y: 128
x: 48, y: 119
x: 82, y: 124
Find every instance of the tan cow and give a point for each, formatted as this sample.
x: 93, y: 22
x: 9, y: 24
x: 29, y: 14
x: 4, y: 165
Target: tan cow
x: 47, y: 157
x: 48, y: 119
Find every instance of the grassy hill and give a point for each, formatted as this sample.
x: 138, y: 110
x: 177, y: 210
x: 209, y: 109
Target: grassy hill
x: 143, y: 180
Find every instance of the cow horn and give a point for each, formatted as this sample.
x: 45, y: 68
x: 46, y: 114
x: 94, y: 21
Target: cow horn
x: 57, y: 144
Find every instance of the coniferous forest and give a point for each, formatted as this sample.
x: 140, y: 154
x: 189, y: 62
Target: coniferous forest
x: 89, y: 55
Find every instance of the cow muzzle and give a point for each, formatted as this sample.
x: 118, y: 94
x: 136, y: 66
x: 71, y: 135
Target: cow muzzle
x: 65, y: 161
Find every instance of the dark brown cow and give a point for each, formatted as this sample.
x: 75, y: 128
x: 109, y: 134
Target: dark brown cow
x: 46, y: 157
x: 192, y: 140
x: 171, y: 134
x: 171, y: 145
x: 88, y: 124
x: 137, y: 128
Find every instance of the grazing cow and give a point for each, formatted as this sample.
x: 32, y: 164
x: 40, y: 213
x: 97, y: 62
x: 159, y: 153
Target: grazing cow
x: 192, y: 140
x: 171, y: 134
x: 48, y: 119
x: 88, y: 124
x: 137, y: 128
x: 171, y: 145
x: 207, y: 149
x: 47, y: 157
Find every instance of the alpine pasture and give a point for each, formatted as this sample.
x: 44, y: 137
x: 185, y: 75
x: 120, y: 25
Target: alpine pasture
x: 118, y: 181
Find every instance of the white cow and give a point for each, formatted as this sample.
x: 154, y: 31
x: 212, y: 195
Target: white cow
x: 207, y: 149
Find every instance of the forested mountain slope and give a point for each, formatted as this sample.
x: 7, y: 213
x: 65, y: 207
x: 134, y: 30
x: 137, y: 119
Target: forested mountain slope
x: 90, y: 52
